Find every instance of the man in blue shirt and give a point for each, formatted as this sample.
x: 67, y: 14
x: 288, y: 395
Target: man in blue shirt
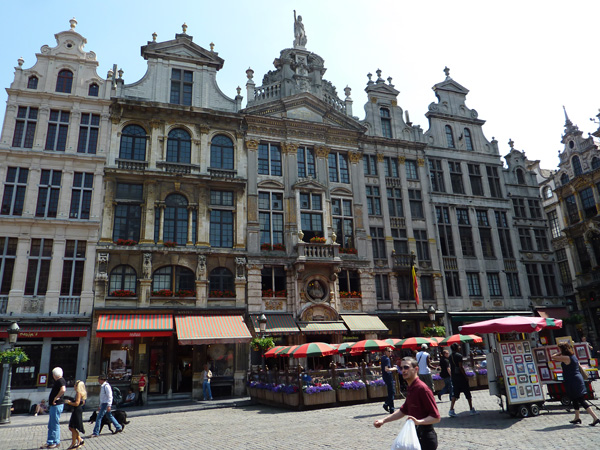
x: 387, y: 374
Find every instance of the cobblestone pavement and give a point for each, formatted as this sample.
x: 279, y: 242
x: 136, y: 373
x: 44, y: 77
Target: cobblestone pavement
x: 240, y: 425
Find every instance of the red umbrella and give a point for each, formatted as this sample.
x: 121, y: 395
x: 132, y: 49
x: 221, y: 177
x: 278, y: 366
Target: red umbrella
x: 345, y: 347
x: 392, y: 341
x: 461, y: 338
x: 437, y: 339
x: 519, y: 324
x: 313, y: 349
x: 272, y: 352
x: 285, y: 351
x: 416, y: 342
x: 369, y: 345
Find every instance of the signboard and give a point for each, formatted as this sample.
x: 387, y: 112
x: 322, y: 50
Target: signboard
x: 521, y: 378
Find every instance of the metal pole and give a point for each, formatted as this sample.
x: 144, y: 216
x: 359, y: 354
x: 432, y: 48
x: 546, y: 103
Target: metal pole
x: 6, y: 402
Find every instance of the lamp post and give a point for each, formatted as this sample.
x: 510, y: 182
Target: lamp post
x: 431, y: 313
x: 262, y: 324
x: 13, y: 334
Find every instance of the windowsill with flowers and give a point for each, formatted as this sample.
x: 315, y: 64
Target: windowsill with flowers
x: 348, y: 251
x: 377, y: 382
x: 352, y: 294
x: 318, y: 240
x: 122, y: 293
x: 271, y: 293
x: 221, y: 294
x: 126, y: 242
x: 273, y: 248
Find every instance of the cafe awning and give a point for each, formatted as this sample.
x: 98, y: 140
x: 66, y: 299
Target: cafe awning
x: 35, y: 331
x: 363, y: 323
x: 322, y: 327
x: 134, y: 325
x: 276, y: 324
x: 230, y: 329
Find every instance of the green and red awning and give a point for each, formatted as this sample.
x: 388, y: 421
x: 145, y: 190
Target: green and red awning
x: 134, y: 325
x: 226, y: 329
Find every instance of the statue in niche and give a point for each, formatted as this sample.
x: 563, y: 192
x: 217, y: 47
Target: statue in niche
x: 315, y: 290
x: 299, y: 33
x: 201, y: 266
x: 147, y: 269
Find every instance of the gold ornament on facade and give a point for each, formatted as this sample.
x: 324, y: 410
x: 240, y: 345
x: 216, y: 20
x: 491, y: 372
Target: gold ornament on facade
x: 373, y: 99
x: 420, y: 162
x: 380, y: 157
x: 289, y: 147
x: 322, y: 151
x: 394, y: 102
x: 252, y: 144
x: 401, y: 160
x: 355, y: 157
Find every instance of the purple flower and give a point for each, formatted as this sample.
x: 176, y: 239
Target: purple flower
x: 289, y: 389
x: 436, y: 377
x: 352, y: 385
x: 377, y: 382
x: 482, y: 371
x: 470, y: 373
x: 318, y: 388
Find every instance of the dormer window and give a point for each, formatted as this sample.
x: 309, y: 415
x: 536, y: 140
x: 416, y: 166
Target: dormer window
x: 32, y: 82
x: 564, y: 179
x: 181, y: 87
x: 386, y: 122
x: 449, y: 137
x: 93, y: 90
x: 577, y: 170
x: 520, y: 177
x: 64, y: 81
x: 595, y: 163
x: 468, y: 140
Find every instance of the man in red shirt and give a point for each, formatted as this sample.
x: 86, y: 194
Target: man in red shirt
x: 419, y: 406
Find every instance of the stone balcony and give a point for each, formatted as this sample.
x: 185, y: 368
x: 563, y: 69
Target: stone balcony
x: 318, y: 252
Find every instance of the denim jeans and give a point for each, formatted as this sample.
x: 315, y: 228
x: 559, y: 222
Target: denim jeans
x: 54, y: 424
x: 390, y: 389
x: 104, y: 411
x: 206, y: 392
x: 447, y: 387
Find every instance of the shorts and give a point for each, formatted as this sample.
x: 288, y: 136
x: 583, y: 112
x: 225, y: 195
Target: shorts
x: 460, y: 385
x: 581, y: 401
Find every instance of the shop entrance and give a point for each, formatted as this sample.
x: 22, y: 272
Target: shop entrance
x: 182, y: 378
x: 156, y: 370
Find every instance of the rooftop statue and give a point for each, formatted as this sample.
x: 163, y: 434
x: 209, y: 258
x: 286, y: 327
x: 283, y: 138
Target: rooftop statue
x: 299, y: 33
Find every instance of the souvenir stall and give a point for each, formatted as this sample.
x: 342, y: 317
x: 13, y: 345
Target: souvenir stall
x: 513, y: 372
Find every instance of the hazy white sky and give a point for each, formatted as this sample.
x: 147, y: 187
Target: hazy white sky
x: 521, y: 60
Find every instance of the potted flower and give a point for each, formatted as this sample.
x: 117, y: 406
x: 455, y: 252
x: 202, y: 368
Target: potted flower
x: 185, y: 293
x: 13, y: 356
x: 472, y: 378
x: 170, y: 244
x: 438, y: 382
x: 266, y: 247
x: 351, y: 391
x: 482, y: 379
x: 278, y: 248
x: 122, y: 293
x: 352, y: 294
x: 348, y: 251
x: 163, y: 293
x: 376, y: 388
x: 221, y: 294
x: 317, y: 240
x: 318, y: 394
x: 127, y: 242
x: 291, y: 395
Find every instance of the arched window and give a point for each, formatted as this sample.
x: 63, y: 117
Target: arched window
x: 449, y: 137
x: 133, y: 143
x: 64, y: 81
x: 547, y: 192
x: 176, y: 219
x: 576, y: 165
x: 179, y: 146
x: 221, y: 280
x: 386, y: 122
x: 468, y: 140
x: 564, y: 179
x: 520, y: 176
x: 122, y: 278
x: 595, y: 163
x: 32, y: 82
x: 173, y: 278
x: 221, y: 153
x: 93, y: 90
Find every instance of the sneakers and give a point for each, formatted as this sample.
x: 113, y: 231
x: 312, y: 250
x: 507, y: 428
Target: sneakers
x: 474, y: 412
x: 451, y: 413
x: 386, y: 407
x: 120, y: 430
x: 393, y: 409
x: 439, y: 397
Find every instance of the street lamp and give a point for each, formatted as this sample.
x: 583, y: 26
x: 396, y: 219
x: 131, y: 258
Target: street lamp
x: 262, y: 324
x: 431, y: 312
x: 13, y: 334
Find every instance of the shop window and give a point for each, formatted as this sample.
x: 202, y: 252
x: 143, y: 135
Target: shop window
x: 65, y: 357
x: 220, y: 359
x: 24, y: 375
x: 117, y: 358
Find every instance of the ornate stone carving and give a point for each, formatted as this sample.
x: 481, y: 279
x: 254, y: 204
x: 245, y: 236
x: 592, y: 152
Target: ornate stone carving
x: 274, y: 305
x: 401, y: 160
x: 33, y: 305
x: 420, y: 162
x: 350, y: 304
x: 251, y: 144
x: 380, y: 157
x: 147, y: 266
x: 103, y: 266
x: 322, y: 151
x: 155, y: 123
x: 240, y: 266
x: 289, y: 147
x: 355, y: 157
x: 201, y: 266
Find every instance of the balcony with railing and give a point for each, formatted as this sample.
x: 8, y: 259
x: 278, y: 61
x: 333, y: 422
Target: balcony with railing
x: 318, y: 252
x: 403, y: 261
x: 268, y: 92
x: 129, y: 164
x: 221, y: 174
x: 68, y: 305
x: 177, y: 168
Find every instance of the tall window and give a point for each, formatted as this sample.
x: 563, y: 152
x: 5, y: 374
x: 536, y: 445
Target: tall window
x: 25, y: 127
x: 391, y: 167
x: 269, y: 160
x: 554, y: 224
x: 400, y: 241
x: 273, y: 279
x: 394, y: 197
x: 88, y: 133
x: 456, y: 177
x: 221, y: 279
x: 595, y: 163
x: 485, y: 234
x: 32, y: 82
x: 221, y: 153
x: 468, y: 139
x: 133, y: 143
x: 270, y: 214
x: 519, y: 207
x: 512, y: 280
x: 73, y: 264
x: 535, y: 210
x: 342, y: 222
x: 306, y: 163
x: 311, y: 215
x: 453, y: 284
x: 123, y: 278
x: 588, y: 203
x: 48, y: 193
x: 179, y: 146
x: 406, y: 287
x: 582, y: 254
x: 426, y: 286
x: 221, y: 219
x: 38, y: 270
x: 473, y: 284
x: 373, y: 200
x: 64, y: 81
x: 520, y: 176
x: 572, y: 210
x: 577, y: 170
x: 174, y: 278
x: 437, y: 175
x: 338, y: 168
x: 525, y: 239
x: 416, y: 204
x: 563, y: 266
x: 382, y: 288
x: 93, y: 90
x: 81, y: 197
x: 182, y: 82
x: 549, y: 280
x: 465, y: 232
x: 378, y: 242
x: 445, y: 231
x: 504, y: 234
x: 533, y: 277
x: 449, y: 137
x: 386, y: 122
x: 494, y: 181
x: 176, y: 219
x: 128, y: 211
x: 370, y: 165
x: 8, y: 256
x: 349, y: 281
x: 493, y: 280
x: 564, y: 179
x: 14, y: 191
x: 475, y: 178
x: 422, y: 245
x: 541, y: 239
x: 411, y: 170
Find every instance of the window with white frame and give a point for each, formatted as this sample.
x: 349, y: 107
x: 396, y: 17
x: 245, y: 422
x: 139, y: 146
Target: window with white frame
x: 493, y: 280
x: 221, y: 218
x: 182, y: 82
x: 391, y: 167
x: 122, y: 278
x: 25, y: 127
x: 311, y: 215
x: 81, y: 195
x: 38, y: 268
x: 473, y: 284
x: 48, y: 193
x: 343, y: 223
x: 73, y: 267
x: 270, y: 216
x: 14, y: 191
x: 58, y: 128
x: 89, y: 128
x: 411, y: 169
x: 269, y: 159
x: 370, y: 165
x: 554, y: 224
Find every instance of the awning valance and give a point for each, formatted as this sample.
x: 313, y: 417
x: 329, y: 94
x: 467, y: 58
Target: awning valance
x: 276, y: 324
x: 34, y: 331
x: 134, y: 325
x: 363, y: 323
x: 193, y: 330
x: 322, y: 327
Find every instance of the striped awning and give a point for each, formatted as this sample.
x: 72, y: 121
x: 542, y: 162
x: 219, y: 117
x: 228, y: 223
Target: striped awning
x: 134, y: 325
x: 363, y: 323
x: 34, y: 331
x: 276, y: 324
x: 322, y: 327
x: 192, y: 330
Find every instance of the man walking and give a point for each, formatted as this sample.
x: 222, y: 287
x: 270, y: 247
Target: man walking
x: 446, y: 375
x: 419, y: 406
x: 387, y: 374
x: 460, y: 381
x: 56, y: 402
x: 106, y: 398
x: 424, y: 362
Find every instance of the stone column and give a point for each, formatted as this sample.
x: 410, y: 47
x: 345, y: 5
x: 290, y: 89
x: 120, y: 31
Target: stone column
x: 161, y: 226
x: 190, y: 228
x: 201, y: 282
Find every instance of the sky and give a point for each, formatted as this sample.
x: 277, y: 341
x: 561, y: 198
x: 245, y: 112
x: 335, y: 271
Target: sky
x: 521, y: 60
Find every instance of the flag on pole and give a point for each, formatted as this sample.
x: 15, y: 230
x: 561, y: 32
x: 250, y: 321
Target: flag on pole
x: 415, y: 284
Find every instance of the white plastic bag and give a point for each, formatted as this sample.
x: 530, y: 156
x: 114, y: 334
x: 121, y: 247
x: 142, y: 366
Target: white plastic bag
x: 407, y: 439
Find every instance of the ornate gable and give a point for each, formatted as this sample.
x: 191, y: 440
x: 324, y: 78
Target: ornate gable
x: 183, y: 49
x: 309, y: 185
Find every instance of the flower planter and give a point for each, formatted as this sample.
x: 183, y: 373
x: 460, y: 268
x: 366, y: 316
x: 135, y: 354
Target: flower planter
x: 251, y: 392
x: 319, y: 398
x: 269, y: 395
x: 472, y: 381
x: 438, y: 385
x: 377, y: 391
x: 482, y: 380
x: 292, y: 399
x: 261, y: 394
x: 277, y: 397
x: 351, y: 395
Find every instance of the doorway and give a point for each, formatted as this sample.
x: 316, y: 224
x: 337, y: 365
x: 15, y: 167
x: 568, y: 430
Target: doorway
x: 183, y: 373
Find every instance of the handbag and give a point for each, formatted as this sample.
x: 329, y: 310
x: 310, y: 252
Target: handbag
x: 407, y: 439
x: 583, y: 372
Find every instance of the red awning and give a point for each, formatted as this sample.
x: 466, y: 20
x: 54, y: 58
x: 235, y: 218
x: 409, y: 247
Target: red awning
x: 192, y: 330
x: 134, y: 325
x: 35, y: 331
x: 553, y: 313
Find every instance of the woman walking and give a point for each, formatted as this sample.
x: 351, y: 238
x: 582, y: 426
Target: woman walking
x: 76, y: 422
x: 574, y: 384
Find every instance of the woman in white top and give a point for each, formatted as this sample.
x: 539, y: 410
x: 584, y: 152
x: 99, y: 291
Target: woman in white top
x: 206, y: 376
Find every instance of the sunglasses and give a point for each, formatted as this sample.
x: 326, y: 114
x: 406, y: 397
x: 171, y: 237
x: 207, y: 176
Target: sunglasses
x: 406, y: 367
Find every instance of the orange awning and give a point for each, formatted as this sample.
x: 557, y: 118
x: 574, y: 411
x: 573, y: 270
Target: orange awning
x: 192, y: 330
x: 134, y: 325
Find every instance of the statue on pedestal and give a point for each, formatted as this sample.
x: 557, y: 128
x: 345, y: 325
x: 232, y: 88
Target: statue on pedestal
x: 299, y: 33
